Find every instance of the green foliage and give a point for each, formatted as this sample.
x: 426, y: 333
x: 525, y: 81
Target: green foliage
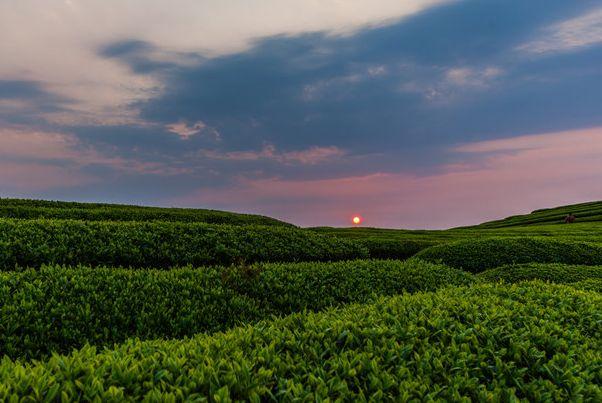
x: 579, y: 232
x: 55, y: 309
x: 532, y: 341
x: 34, y: 209
x: 591, y: 284
x: 584, y: 212
x: 553, y: 272
x: 289, y: 288
x: 31, y: 243
x: 482, y: 254
x: 393, y: 248
x: 492, y: 341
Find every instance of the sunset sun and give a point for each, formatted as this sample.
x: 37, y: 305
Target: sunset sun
x: 356, y: 220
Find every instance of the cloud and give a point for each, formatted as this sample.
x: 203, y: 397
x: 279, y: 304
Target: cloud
x: 362, y: 97
x: 31, y: 178
x: 185, y: 131
x: 569, y: 35
x: 19, y: 89
x: 35, y: 161
x: 60, y: 49
x: 311, y: 156
x: 23, y: 101
x: 541, y: 170
x: 63, y: 152
x: 465, y: 76
x: 571, y: 141
x: 411, y: 87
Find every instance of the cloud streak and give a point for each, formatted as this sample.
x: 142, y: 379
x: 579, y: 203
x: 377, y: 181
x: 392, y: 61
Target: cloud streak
x: 562, y: 167
x: 570, y: 35
x: 311, y: 156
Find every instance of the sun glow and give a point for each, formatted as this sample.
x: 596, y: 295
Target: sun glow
x: 356, y: 220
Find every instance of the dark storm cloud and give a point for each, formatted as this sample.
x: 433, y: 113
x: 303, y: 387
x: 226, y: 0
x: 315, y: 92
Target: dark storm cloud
x: 22, y: 101
x: 141, y: 56
x: 20, y: 90
x: 386, y: 88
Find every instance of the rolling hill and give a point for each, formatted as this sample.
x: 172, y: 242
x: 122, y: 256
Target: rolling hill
x: 591, y: 211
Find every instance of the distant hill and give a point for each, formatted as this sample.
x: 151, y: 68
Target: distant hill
x: 584, y: 212
x: 31, y: 209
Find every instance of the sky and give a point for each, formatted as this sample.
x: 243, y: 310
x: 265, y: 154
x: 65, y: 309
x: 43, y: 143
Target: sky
x: 412, y: 114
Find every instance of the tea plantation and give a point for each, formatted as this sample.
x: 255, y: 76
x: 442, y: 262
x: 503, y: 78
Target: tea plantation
x: 119, y: 303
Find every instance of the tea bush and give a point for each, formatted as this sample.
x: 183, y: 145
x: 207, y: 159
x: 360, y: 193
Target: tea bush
x: 581, y: 232
x: 553, y: 272
x: 31, y: 243
x: 591, y: 284
x: 477, y: 255
x: 379, y: 248
x: 584, y: 212
x: 533, y: 341
x: 55, y: 309
x: 35, y: 209
x: 293, y: 287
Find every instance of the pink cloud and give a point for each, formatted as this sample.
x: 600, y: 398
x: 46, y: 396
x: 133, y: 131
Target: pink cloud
x: 511, y: 176
x: 36, y: 160
x: 184, y: 130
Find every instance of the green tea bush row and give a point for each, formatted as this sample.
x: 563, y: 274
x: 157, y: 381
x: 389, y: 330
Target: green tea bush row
x: 553, y: 272
x: 294, y: 287
x: 588, y: 212
x: 591, y: 284
x: 55, y: 309
x: 380, y: 248
x: 476, y: 255
x: 31, y: 243
x: 533, y: 341
x: 34, y: 209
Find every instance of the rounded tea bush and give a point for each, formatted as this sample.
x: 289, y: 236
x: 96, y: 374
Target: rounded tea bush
x: 55, y: 309
x: 531, y: 341
x: 32, y: 243
x: 477, y: 255
x: 592, y: 284
x: 382, y: 248
x: 553, y: 272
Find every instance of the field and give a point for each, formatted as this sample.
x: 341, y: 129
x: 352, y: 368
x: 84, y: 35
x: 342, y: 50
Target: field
x: 124, y: 303
x: 545, y: 223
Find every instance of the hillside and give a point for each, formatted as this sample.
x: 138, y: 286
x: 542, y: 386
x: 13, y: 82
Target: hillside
x: 591, y: 211
x: 34, y: 209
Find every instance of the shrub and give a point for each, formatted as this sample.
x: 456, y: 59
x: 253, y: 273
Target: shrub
x: 57, y: 309
x: 161, y: 245
x: 476, y: 255
x: 591, y: 284
x: 289, y: 288
x: 381, y: 248
x: 35, y: 209
x: 553, y: 272
x: 535, y: 342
